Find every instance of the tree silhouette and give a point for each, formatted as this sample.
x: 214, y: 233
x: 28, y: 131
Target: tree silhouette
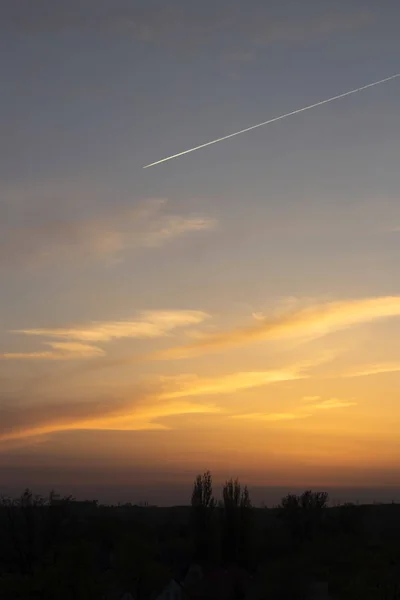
x: 202, y: 495
x: 203, y: 517
x: 25, y: 527
x: 236, y: 521
x: 314, y: 500
x: 303, y: 514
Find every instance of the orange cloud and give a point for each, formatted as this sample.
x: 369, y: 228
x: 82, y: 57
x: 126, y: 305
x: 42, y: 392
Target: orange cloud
x: 118, y: 415
x: 140, y: 410
x: 307, y: 323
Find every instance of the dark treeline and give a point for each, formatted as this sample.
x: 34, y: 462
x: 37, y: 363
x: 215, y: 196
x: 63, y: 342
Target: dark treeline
x: 57, y: 547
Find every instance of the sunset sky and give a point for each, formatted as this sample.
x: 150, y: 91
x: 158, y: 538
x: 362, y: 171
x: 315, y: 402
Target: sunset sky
x: 236, y: 309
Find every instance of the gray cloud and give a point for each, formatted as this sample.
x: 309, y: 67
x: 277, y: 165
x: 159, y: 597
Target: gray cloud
x: 177, y: 23
x: 104, y: 237
x: 316, y: 27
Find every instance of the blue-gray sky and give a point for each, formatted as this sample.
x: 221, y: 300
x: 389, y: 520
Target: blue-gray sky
x: 129, y: 270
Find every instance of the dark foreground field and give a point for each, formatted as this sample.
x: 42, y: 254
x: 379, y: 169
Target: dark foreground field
x: 58, y: 548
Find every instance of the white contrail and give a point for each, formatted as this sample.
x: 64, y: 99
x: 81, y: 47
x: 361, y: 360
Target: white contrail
x: 295, y: 112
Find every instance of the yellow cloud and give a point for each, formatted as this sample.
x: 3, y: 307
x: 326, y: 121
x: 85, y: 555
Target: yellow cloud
x: 149, y: 324
x: 196, y: 386
x: 374, y: 369
x: 144, y: 417
x: 161, y: 410
x: 271, y: 416
x: 61, y: 351
x: 307, y: 323
x: 290, y: 416
x: 332, y: 403
x: 77, y: 349
x: 28, y: 356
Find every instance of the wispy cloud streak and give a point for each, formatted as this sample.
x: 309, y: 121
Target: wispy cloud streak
x: 374, y: 369
x: 331, y: 404
x: 273, y: 417
x: 60, y: 351
x: 77, y: 340
x: 110, y: 414
x: 234, y: 382
x: 149, y: 324
x: 308, y: 323
x: 303, y: 413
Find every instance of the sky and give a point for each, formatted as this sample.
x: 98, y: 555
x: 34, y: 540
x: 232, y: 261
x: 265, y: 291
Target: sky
x: 235, y: 309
